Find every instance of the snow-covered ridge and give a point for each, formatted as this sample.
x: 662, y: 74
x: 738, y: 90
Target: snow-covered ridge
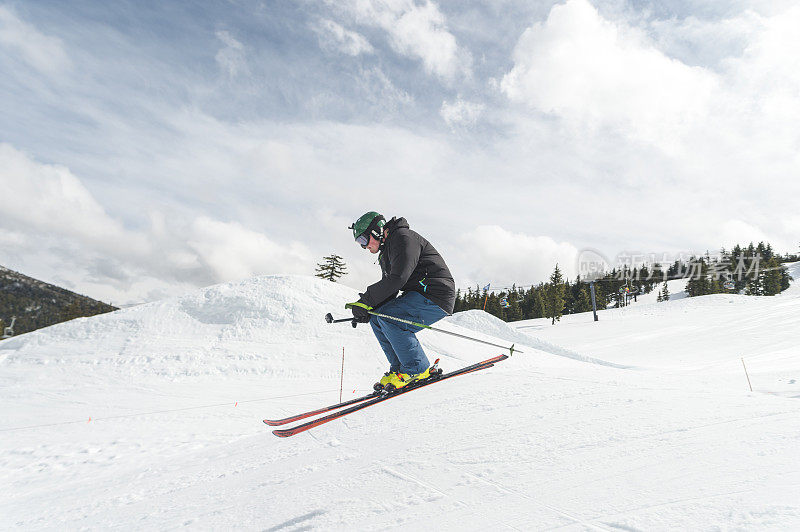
x: 247, y: 326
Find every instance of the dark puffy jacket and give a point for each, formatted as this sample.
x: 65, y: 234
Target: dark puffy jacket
x: 411, y: 263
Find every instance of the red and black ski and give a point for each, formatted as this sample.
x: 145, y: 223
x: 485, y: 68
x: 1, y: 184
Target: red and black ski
x: 364, y: 402
x: 297, y: 417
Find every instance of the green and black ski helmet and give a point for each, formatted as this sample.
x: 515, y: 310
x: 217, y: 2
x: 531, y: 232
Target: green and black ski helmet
x: 368, y: 224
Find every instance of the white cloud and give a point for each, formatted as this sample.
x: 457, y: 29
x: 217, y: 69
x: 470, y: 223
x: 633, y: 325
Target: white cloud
x: 763, y: 100
x: 461, y: 113
x: 49, y: 198
x: 741, y: 232
x: 604, y: 76
x: 701, y: 41
x: 684, y: 148
x: 333, y: 37
x: 52, y: 225
x: 596, y: 73
x: 415, y: 30
x: 791, y: 226
x: 231, y: 58
x: 44, y: 52
x: 380, y: 92
x: 234, y: 252
x: 504, y: 257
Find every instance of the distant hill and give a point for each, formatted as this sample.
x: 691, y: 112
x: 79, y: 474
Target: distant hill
x: 37, y: 304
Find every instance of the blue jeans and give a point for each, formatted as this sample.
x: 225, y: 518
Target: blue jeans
x: 398, y: 340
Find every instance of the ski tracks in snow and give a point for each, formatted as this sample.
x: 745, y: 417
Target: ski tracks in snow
x: 434, y: 476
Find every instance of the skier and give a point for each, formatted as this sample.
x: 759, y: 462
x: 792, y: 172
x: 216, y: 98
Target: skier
x: 410, y: 264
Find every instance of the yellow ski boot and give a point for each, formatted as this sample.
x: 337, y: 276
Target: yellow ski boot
x: 401, y: 380
x: 381, y: 384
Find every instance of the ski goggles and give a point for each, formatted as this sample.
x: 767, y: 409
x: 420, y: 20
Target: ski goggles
x: 363, y: 240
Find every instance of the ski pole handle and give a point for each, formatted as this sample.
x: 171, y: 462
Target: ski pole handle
x: 329, y: 319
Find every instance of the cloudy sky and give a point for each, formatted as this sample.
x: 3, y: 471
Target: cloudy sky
x: 150, y: 147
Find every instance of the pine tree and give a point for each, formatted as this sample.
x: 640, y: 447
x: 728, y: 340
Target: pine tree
x: 664, y: 294
x: 333, y: 268
x: 527, y: 302
x: 753, y: 263
x: 601, y: 298
x: 584, y: 300
x: 554, y: 296
x: 773, y: 274
x: 539, y: 306
x: 786, y: 279
x: 737, y: 261
x: 569, y: 300
x: 514, y: 312
x: 699, y: 283
x: 492, y: 302
x: 643, y: 281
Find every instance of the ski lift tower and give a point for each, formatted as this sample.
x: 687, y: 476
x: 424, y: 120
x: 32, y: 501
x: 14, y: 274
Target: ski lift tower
x: 594, y: 301
x: 8, y: 332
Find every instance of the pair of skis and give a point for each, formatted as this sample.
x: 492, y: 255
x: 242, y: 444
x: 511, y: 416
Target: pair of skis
x: 359, y: 403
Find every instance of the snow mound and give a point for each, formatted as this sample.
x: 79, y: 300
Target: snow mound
x: 270, y: 324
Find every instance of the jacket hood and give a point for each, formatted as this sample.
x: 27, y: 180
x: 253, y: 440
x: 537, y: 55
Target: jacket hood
x: 397, y: 223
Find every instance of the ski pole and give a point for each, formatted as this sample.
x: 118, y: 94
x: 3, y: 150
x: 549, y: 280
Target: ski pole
x: 409, y: 322
x: 423, y: 326
x: 329, y: 319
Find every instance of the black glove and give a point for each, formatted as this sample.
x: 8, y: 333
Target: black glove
x: 360, y: 311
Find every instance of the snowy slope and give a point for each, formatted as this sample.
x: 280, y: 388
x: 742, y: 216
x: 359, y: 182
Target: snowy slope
x: 676, y: 287
x: 637, y: 422
x: 794, y: 271
x: 711, y: 334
